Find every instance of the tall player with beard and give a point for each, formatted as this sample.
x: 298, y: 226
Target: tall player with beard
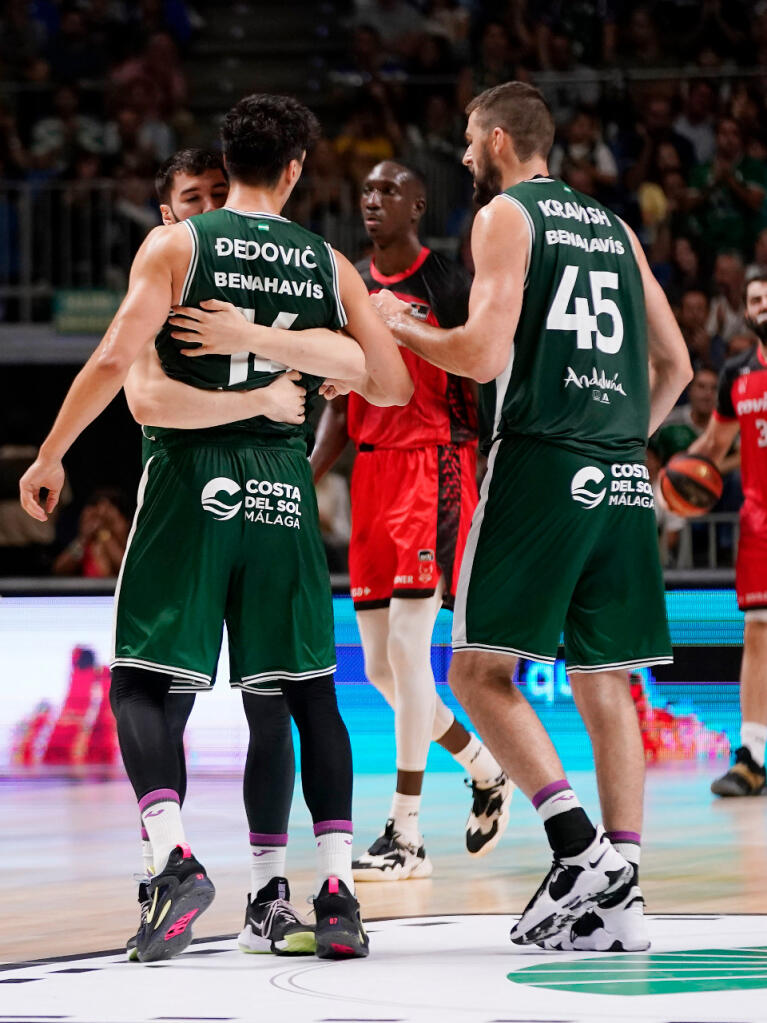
x: 742, y: 406
x: 413, y: 493
x: 558, y: 542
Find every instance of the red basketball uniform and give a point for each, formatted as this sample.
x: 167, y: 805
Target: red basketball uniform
x: 743, y: 397
x: 414, y: 484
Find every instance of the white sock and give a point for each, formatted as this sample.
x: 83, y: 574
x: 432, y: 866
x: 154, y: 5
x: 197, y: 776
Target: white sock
x: 478, y: 761
x: 404, y: 813
x: 161, y: 816
x: 628, y: 845
x: 754, y: 737
x: 146, y: 853
x: 267, y: 859
x: 334, y: 853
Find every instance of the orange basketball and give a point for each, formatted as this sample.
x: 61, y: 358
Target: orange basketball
x: 691, y: 484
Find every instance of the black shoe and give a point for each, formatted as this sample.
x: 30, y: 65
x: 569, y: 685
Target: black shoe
x: 745, y: 777
x: 273, y: 925
x: 143, y: 901
x: 177, y: 896
x: 338, y: 930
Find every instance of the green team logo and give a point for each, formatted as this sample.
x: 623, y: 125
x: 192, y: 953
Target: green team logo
x: 211, y: 500
x: 655, y: 973
x: 583, y: 494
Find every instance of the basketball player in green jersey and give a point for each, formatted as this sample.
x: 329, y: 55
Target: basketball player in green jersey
x: 226, y: 527
x: 564, y: 317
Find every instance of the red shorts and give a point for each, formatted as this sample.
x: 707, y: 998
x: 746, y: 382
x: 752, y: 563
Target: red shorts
x: 751, y: 567
x: 411, y: 512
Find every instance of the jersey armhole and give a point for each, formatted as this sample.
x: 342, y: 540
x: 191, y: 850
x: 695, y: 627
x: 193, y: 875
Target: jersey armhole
x: 340, y: 311
x: 530, y: 228
x: 192, y: 268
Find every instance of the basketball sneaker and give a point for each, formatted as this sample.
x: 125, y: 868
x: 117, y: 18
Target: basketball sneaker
x: 390, y: 858
x: 617, y: 925
x: 177, y: 896
x: 339, y: 931
x: 744, y: 778
x: 143, y: 900
x: 574, y: 885
x: 273, y: 925
x: 489, y: 815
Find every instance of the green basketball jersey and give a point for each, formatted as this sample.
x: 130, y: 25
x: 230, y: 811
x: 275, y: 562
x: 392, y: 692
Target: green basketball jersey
x: 277, y: 274
x: 578, y: 372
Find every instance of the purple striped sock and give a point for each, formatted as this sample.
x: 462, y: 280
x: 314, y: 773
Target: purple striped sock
x: 262, y: 838
x: 326, y: 827
x: 628, y: 844
x: 158, y: 796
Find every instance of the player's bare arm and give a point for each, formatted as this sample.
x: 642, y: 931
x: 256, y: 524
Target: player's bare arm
x: 218, y: 328
x: 670, y: 367
x: 331, y: 436
x: 481, y: 348
x: 716, y: 440
x: 140, y: 316
x: 155, y: 399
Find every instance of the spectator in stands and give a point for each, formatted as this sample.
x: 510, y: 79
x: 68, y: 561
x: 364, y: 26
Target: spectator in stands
x: 97, y: 550
x: 646, y: 151
x: 13, y: 156
x: 22, y: 36
x: 758, y: 267
x: 740, y: 343
x: 707, y: 350
x: 641, y: 42
x: 583, y: 144
x: 687, y: 422
x: 451, y: 20
x: 370, y: 135
x: 591, y: 24
x: 686, y: 271
x: 56, y: 139
x: 399, y: 25
x: 727, y: 306
x: 566, y: 85
x: 126, y: 142
x: 335, y: 519
x: 431, y: 70
x: 494, y: 64
x: 696, y: 121
x: 727, y: 193
x: 72, y: 55
x: 323, y: 198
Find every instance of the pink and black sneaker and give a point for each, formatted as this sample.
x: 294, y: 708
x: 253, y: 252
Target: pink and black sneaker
x: 177, y: 897
x: 339, y: 933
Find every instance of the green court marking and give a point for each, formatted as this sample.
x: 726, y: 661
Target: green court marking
x: 654, y: 973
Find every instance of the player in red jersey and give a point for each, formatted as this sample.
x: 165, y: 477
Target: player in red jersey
x: 413, y: 494
x: 742, y: 405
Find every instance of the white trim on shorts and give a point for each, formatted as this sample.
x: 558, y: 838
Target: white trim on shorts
x: 755, y: 614
x: 139, y: 503
x: 641, y: 662
x: 510, y: 651
x: 194, y: 677
x: 469, y: 553
x: 283, y: 676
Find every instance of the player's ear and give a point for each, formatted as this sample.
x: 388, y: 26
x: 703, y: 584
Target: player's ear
x: 419, y: 206
x: 167, y: 214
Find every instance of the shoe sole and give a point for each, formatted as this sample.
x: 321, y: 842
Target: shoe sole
x: 721, y: 787
x: 503, y: 823
x: 187, y: 904
x: 341, y: 943
x: 252, y: 943
x: 301, y: 943
x: 419, y: 873
x: 557, y: 921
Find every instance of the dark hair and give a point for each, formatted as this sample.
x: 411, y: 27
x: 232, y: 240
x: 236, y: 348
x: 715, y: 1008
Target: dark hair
x: 261, y: 135
x: 521, y: 111
x: 186, y: 161
x: 760, y: 277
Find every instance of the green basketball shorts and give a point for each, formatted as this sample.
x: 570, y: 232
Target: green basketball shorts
x: 561, y: 542
x: 225, y: 533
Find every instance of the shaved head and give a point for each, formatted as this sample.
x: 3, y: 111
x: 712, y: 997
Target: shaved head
x: 392, y: 203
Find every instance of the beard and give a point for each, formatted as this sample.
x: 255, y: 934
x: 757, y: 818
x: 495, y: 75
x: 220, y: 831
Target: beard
x: 758, y: 328
x: 487, y: 180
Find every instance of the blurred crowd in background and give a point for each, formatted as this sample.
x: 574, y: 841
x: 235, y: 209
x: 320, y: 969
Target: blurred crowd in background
x: 661, y: 113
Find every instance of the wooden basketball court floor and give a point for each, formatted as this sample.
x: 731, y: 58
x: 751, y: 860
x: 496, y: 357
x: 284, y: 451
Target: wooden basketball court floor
x: 69, y: 850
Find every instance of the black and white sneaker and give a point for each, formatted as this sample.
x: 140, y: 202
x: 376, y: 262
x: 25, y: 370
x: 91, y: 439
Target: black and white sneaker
x: 489, y: 815
x: 744, y: 778
x: 272, y: 924
x: 618, y: 925
x: 177, y: 897
x: 390, y: 858
x: 339, y: 931
x: 573, y: 886
x: 131, y: 950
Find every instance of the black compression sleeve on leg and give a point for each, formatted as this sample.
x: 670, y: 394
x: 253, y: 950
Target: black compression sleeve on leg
x: 137, y: 697
x: 326, y: 753
x: 178, y: 707
x: 270, y: 768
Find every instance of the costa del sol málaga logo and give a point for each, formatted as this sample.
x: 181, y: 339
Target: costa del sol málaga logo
x: 581, y: 493
x: 212, y: 502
